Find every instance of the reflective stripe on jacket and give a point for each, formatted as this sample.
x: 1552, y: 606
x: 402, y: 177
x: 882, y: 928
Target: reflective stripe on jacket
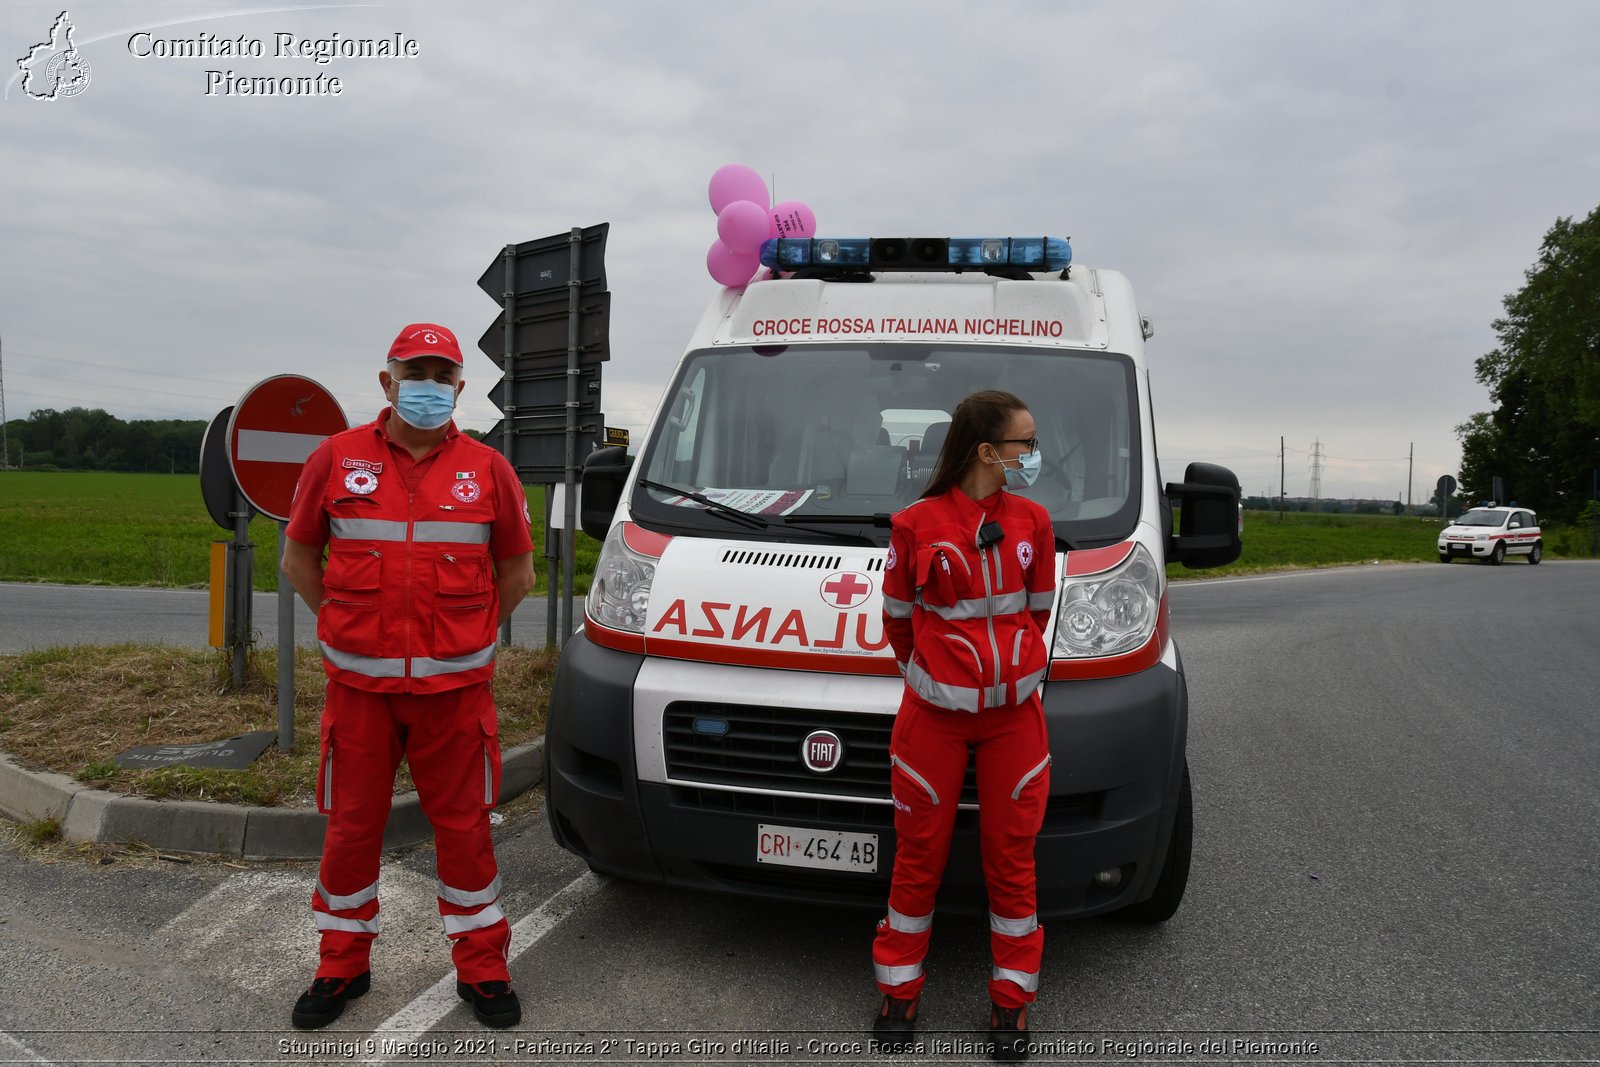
x: 967, y: 622
x: 410, y: 602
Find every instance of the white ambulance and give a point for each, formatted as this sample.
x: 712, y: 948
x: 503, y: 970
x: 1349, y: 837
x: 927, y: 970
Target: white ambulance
x: 722, y: 719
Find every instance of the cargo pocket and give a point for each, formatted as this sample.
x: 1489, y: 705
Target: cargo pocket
x: 349, y: 594
x: 490, y: 725
x: 461, y: 622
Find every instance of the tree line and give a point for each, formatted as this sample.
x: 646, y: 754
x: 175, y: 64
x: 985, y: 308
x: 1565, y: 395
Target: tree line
x: 1543, y: 437
x: 94, y: 439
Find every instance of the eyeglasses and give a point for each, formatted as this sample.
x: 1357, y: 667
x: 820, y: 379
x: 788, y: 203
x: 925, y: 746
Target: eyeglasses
x: 1031, y: 442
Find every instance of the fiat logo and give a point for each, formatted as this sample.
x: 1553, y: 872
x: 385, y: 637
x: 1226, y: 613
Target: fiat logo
x: 822, y: 751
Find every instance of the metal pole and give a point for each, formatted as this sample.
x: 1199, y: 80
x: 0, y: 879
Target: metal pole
x: 508, y: 305
x: 1411, y: 457
x: 552, y: 555
x: 5, y: 436
x: 285, y: 648
x: 1280, y: 478
x: 243, y: 581
x: 574, y: 284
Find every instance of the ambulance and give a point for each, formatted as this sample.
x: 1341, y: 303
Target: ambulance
x: 721, y: 720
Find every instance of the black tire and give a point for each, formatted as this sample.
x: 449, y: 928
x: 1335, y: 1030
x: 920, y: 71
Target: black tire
x: 1498, y: 556
x: 1444, y: 557
x: 1163, y: 903
x: 1536, y: 553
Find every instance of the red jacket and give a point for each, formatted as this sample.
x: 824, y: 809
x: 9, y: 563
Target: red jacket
x: 410, y: 600
x: 967, y: 622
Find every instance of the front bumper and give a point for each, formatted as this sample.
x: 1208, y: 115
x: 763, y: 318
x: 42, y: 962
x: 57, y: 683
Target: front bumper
x: 1117, y: 750
x: 1464, y: 549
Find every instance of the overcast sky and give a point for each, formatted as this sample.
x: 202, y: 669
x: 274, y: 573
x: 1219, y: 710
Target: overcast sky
x: 1320, y: 205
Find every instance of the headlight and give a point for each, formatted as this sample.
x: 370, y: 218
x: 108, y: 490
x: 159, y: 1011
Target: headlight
x: 619, y: 594
x: 1480, y: 537
x: 1112, y: 612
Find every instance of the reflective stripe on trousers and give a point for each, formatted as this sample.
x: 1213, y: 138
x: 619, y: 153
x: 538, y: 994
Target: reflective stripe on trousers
x: 1014, y: 927
x: 897, y: 975
x: 351, y: 926
x: 910, y: 924
x: 349, y: 900
x: 461, y: 924
x: 463, y: 898
x: 1028, y: 983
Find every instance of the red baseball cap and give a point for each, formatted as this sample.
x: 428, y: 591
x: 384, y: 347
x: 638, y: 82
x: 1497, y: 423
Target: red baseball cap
x: 426, y: 339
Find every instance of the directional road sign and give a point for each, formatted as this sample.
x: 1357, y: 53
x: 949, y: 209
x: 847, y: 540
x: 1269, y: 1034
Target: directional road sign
x: 541, y: 329
x: 545, y: 263
x: 274, y: 427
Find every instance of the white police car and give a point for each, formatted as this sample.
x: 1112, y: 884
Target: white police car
x: 1492, y: 533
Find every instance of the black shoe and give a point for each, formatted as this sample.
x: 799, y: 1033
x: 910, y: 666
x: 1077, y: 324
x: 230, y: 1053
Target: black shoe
x: 897, y: 1017
x: 1008, y: 1032
x: 324, y: 1001
x: 494, y: 1003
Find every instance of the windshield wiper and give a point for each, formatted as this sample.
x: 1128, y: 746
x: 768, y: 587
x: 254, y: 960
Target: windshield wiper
x: 879, y: 519
x: 755, y: 522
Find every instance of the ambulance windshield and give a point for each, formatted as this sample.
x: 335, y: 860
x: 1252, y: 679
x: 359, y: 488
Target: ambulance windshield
x: 844, y: 434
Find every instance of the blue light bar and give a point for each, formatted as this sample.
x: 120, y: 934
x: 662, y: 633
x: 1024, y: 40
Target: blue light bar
x: 917, y: 253
x: 711, y: 727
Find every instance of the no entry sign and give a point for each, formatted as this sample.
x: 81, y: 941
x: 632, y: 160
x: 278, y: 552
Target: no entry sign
x: 274, y: 427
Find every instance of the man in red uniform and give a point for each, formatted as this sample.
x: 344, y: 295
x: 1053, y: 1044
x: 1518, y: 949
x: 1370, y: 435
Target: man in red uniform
x: 429, y: 551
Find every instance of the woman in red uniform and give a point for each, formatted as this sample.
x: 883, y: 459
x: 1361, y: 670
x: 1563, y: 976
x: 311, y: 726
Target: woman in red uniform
x: 968, y: 585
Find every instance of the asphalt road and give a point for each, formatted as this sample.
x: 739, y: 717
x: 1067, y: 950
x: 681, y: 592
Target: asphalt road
x: 41, y: 616
x: 1398, y: 819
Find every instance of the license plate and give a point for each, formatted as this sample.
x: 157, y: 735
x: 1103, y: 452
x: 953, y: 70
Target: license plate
x: 831, y: 850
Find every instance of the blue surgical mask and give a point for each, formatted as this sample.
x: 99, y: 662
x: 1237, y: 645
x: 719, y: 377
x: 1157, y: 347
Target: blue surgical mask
x: 427, y: 405
x: 1025, y: 476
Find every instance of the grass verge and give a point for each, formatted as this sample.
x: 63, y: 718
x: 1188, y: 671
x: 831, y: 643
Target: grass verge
x: 153, y: 529
x: 73, y: 709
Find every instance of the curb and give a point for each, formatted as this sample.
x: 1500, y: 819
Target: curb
x: 253, y: 833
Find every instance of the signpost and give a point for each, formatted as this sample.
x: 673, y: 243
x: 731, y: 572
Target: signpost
x: 550, y: 338
x: 1446, y: 486
x: 265, y: 439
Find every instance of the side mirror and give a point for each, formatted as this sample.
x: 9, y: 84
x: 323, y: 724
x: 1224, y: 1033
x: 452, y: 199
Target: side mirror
x: 1209, y: 521
x: 604, y: 471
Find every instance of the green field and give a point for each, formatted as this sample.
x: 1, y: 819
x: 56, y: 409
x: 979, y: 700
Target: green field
x: 153, y: 529
x: 150, y: 529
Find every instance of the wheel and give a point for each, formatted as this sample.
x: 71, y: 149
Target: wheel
x: 1163, y: 903
x: 1444, y: 557
x: 1537, y: 552
x: 1498, y: 556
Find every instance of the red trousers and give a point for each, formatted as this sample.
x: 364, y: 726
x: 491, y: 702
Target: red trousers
x: 929, y: 752
x: 449, y: 741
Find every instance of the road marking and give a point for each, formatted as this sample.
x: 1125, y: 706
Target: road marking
x: 1201, y: 583
x: 11, y: 1043
x: 410, y: 1023
x: 270, y: 911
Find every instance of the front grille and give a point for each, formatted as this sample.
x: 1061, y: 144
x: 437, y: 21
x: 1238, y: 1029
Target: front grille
x: 761, y: 750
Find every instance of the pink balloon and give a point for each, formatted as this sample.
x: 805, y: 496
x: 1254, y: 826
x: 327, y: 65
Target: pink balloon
x: 729, y: 267
x: 735, y: 181
x: 743, y: 225
x: 792, y: 219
